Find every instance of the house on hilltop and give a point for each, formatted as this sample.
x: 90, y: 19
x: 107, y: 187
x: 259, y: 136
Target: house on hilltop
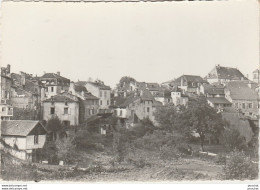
x: 222, y: 75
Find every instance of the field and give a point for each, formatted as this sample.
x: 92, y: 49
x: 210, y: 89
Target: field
x: 99, y: 167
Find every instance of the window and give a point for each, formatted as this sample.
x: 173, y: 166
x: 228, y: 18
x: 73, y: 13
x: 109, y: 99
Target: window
x: 100, y: 102
x: 148, y: 109
x: 236, y: 105
x: 115, y: 112
x: 66, y: 103
x: 100, y: 93
x: 66, y: 110
x: 52, y: 89
x: 36, y: 139
x: 46, y: 89
x: 121, y: 112
x: 105, y: 93
x: 250, y: 105
x: 3, y: 108
x: 243, y: 105
x: 52, y: 111
x: 108, y: 102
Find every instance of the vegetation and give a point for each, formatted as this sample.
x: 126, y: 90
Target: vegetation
x: 240, y: 167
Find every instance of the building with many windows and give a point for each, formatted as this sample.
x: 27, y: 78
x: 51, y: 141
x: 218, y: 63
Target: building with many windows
x: 64, y: 107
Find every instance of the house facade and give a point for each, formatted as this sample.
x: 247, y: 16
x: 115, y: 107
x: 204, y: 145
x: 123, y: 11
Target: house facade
x: 101, y: 91
x: 189, y: 83
x: 178, y: 98
x: 54, y: 84
x: 222, y: 75
x: 256, y: 76
x: 64, y: 107
x: 23, y: 138
x: 6, y: 110
x: 242, y: 98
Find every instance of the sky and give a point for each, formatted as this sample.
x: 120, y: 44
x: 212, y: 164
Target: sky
x: 152, y: 42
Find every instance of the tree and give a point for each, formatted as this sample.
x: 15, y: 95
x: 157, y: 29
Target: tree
x: 233, y: 140
x: 54, y: 126
x: 126, y: 80
x: 196, y: 117
x: 166, y: 117
x: 201, y: 118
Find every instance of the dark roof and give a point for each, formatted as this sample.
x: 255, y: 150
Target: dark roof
x: 128, y: 100
x: 60, y: 98
x: 53, y: 75
x: 157, y: 104
x: 18, y: 127
x: 240, y: 91
x: 80, y: 88
x: 227, y: 73
x: 218, y: 100
x: 90, y: 96
x: 188, y: 78
x: 176, y: 89
x: 146, y: 95
x: 100, y: 85
x: 81, y: 83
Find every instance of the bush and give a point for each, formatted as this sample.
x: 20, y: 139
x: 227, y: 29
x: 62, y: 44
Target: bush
x: 240, y: 167
x: 221, y: 159
x: 233, y: 140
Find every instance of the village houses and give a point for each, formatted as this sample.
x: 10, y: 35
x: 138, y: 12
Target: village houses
x: 100, y: 90
x: 64, y: 107
x: 54, y: 84
x: 24, y: 139
x: 221, y: 75
x: 6, y: 110
x: 242, y: 97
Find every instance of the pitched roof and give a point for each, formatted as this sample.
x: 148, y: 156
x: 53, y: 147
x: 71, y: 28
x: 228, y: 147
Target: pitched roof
x: 218, y: 100
x: 146, y: 95
x: 81, y: 83
x: 53, y: 75
x: 17, y: 127
x: 227, y: 73
x: 128, y: 100
x: 188, y: 78
x: 100, y: 85
x: 89, y: 96
x: 60, y: 98
x: 157, y: 104
x: 240, y: 91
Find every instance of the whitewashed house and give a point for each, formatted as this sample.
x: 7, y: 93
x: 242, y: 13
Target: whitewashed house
x: 23, y: 138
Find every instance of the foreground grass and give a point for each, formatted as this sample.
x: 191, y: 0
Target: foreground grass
x: 143, y: 167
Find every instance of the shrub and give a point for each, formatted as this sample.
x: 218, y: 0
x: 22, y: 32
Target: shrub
x: 240, y: 167
x: 221, y: 159
x: 233, y: 140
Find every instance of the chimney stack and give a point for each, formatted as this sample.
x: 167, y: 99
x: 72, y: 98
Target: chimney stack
x: 8, y: 69
x: 58, y: 73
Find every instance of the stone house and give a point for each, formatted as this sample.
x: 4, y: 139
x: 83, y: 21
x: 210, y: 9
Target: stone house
x: 178, y: 98
x: 88, y: 103
x: 189, y: 83
x: 6, y: 110
x: 219, y: 103
x: 242, y: 98
x: 222, y: 75
x: 23, y: 138
x: 101, y: 91
x: 64, y: 107
x: 54, y: 84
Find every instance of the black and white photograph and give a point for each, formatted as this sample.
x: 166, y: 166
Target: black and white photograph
x: 129, y: 91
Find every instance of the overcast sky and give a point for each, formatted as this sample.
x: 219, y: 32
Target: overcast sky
x: 152, y: 42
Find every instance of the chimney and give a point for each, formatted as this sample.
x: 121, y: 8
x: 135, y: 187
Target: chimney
x: 8, y: 69
x: 44, y: 72
x: 58, y: 73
